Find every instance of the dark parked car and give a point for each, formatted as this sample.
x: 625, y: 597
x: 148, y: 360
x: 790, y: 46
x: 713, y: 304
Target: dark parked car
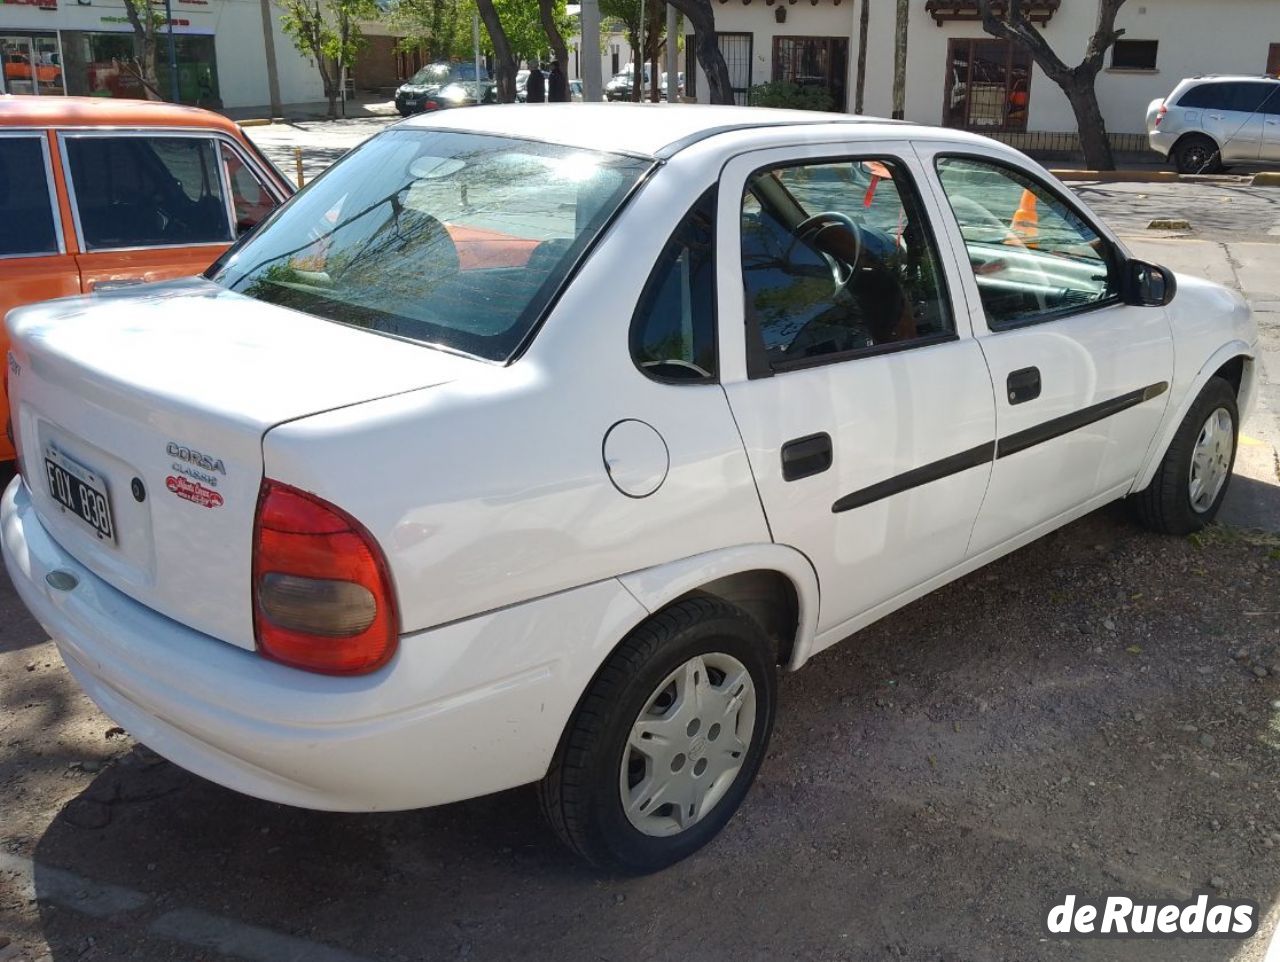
x: 421, y: 92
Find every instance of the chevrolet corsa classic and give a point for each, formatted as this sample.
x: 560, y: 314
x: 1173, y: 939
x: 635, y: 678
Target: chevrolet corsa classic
x: 528, y: 446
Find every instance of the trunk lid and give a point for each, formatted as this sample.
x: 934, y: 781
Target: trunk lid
x: 156, y: 399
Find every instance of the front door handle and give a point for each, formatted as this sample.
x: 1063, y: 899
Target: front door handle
x: 1024, y: 385
x: 807, y: 456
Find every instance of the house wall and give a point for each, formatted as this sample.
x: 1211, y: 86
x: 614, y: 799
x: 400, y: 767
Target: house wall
x: 1225, y: 36
x: 234, y: 25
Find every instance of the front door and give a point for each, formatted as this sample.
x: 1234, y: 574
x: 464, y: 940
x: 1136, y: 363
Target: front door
x: 1081, y: 379
x: 867, y: 412
x: 148, y: 205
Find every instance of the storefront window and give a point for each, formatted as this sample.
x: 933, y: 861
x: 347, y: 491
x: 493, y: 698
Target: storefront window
x: 32, y: 63
x: 988, y: 85
x: 104, y: 65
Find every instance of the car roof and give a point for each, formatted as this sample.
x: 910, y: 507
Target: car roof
x: 644, y: 129
x: 1229, y: 78
x: 30, y: 111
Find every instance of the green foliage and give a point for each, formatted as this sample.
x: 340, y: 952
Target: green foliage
x: 443, y: 27
x: 327, y: 31
x: 792, y: 96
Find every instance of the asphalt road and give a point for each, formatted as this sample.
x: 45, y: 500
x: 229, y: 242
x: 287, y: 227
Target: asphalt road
x: 1099, y: 711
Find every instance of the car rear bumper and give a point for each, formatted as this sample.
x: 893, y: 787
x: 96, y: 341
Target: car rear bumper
x: 466, y: 709
x: 1161, y: 141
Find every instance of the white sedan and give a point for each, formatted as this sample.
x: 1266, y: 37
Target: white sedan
x: 527, y: 446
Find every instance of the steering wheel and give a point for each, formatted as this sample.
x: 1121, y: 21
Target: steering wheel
x: 815, y: 225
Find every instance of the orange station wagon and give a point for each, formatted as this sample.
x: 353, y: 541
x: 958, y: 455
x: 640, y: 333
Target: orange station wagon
x: 98, y: 193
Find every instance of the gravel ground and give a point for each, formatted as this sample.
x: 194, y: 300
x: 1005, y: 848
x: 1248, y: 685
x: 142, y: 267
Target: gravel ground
x: 1099, y: 711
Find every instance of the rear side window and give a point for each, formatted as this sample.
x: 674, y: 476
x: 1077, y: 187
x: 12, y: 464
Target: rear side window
x: 148, y: 191
x: 27, y: 226
x: 673, y: 332
x: 1206, y: 96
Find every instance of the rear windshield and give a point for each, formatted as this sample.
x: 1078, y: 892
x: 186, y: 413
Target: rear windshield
x: 450, y: 239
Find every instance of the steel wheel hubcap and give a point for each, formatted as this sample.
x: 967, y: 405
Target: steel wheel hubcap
x: 688, y: 744
x: 1211, y: 460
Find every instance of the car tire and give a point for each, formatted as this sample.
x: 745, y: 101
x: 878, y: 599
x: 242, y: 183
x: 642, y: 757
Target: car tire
x: 1189, y: 485
x: 678, y: 670
x: 1197, y: 154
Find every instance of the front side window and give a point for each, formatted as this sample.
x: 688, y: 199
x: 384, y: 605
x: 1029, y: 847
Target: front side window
x: 27, y: 225
x: 837, y: 257
x: 147, y: 191
x: 673, y: 332
x: 451, y: 239
x: 1032, y: 255
x: 250, y: 198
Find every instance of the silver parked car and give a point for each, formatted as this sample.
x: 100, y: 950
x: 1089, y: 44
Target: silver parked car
x: 1209, y: 123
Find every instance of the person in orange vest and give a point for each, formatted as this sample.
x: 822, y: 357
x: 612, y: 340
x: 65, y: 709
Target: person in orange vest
x: 1025, y: 224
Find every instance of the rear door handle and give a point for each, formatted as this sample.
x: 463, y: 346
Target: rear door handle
x: 1024, y: 385
x: 807, y: 456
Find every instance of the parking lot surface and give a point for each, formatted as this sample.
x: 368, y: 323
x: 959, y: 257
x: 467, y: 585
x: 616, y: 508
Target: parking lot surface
x: 1099, y: 711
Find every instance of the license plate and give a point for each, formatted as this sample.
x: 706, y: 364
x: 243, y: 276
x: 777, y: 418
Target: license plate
x: 79, y: 491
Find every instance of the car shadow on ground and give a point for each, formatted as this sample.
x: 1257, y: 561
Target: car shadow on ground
x: 1093, y: 712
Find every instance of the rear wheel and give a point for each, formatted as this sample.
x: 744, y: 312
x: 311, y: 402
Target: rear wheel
x: 666, y: 741
x: 1197, y: 154
x: 1191, y: 481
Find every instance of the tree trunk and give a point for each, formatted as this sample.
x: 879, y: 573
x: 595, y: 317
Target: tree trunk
x: 637, y: 69
x: 547, y: 13
x: 703, y: 20
x: 1083, y: 97
x: 900, y: 62
x: 505, y: 60
x: 861, y: 88
x: 654, y: 73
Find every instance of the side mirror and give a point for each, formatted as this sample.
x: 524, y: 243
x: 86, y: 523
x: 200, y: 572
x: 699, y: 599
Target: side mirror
x: 1147, y: 285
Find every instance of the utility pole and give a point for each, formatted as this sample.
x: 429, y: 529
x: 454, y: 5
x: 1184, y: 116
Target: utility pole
x: 589, y: 21
x: 860, y: 88
x: 475, y: 42
x: 900, y: 62
x: 173, y: 55
x: 269, y: 43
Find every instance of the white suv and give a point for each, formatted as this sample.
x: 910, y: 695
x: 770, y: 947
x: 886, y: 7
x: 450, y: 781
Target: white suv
x: 526, y: 445
x: 1209, y: 123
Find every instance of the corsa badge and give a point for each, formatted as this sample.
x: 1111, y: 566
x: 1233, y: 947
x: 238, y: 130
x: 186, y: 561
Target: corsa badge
x: 194, y: 492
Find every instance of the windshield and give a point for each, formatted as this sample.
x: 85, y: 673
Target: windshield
x: 450, y: 239
x: 433, y: 73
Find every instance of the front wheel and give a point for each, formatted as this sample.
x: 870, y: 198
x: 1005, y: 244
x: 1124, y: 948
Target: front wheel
x: 666, y: 741
x: 1191, y: 482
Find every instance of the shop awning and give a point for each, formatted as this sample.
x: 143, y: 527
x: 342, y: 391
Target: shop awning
x: 1038, y: 11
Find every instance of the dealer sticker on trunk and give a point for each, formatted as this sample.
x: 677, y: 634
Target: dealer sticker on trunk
x: 193, y: 491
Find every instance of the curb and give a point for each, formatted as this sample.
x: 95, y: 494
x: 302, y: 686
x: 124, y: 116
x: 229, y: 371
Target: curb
x: 1119, y: 176
x: 256, y: 122
x: 1268, y: 178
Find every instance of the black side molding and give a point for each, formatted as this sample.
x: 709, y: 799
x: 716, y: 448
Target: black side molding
x: 1076, y: 419
x: 934, y: 471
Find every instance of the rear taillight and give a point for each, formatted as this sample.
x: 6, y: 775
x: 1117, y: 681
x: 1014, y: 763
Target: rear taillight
x: 1160, y: 114
x: 322, y: 593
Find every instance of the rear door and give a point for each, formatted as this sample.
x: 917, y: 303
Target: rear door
x: 34, y: 265
x: 148, y: 205
x: 867, y: 412
x: 1232, y: 119
x: 1081, y: 379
